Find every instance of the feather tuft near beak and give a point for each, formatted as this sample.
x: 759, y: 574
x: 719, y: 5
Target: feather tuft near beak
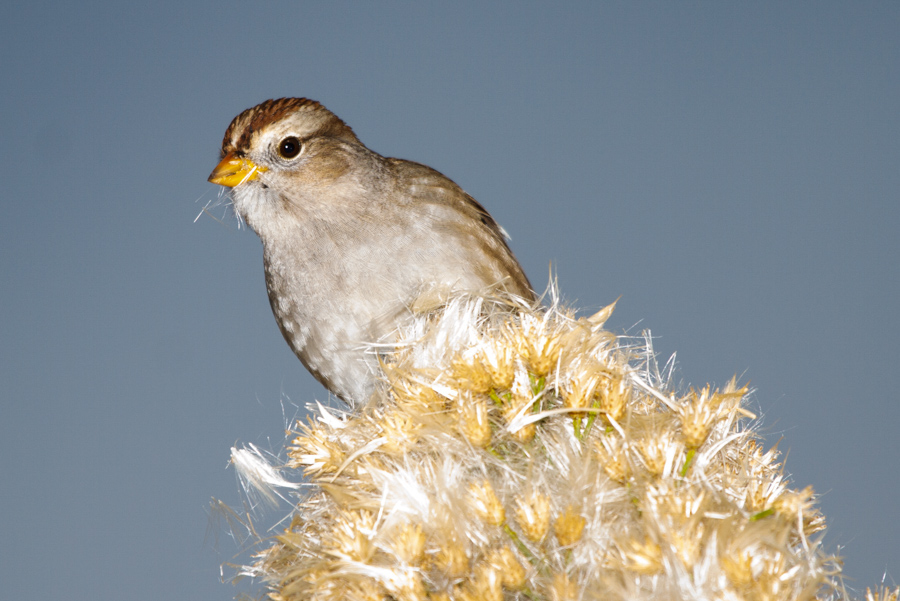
x: 234, y: 170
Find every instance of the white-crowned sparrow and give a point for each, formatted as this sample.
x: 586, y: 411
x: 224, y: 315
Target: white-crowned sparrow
x: 352, y: 240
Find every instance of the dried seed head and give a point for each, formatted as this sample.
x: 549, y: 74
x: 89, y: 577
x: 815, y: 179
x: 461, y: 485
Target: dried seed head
x: 538, y: 344
x: 883, y: 594
x: 510, y: 568
x: 511, y: 411
x: 679, y: 505
x: 486, y: 586
x: 795, y: 503
x: 409, y: 544
x: 642, y: 557
x: 612, y: 456
x: 452, y: 559
x: 569, y: 527
x: 416, y: 397
x: 579, y: 391
x: 497, y: 356
x: 405, y: 585
x: 526, y: 433
x: 761, y: 492
x: 768, y: 569
x: 687, y: 543
x: 698, y: 413
x: 352, y: 536
x: 700, y: 410
x: 800, y: 504
x: 563, y: 588
x: 738, y: 568
x: 474, y: 423
x: 615, y: 395
x: 361, y: 590
x: 533, y: 516
x: 722, y: 508
x: 486, y: 504
x: 654, y: 450
x: 470, y: 373
x: 315, y: 452
x: 401, y: 432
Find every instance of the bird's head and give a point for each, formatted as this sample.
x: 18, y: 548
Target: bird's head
x: 280, y: 155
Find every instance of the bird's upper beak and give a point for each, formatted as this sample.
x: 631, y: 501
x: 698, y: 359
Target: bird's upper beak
x: 234, y: 170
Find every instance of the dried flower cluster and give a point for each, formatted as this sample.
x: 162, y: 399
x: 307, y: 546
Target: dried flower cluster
x: 521, y: 453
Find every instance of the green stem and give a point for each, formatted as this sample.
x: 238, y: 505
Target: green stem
x: 519, y: 544
x: 591, y: 417
x: 527, y: 592
x: 495, y: 398
x: 687, y: 461
x: 590, y: 422
x: 762, y: 514
x: 537, y: 384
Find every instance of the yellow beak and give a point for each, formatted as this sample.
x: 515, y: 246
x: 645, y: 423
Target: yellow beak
x: 233, y: 171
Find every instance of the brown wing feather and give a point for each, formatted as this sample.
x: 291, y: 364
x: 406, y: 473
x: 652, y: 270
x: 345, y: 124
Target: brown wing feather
x: 446, y: 190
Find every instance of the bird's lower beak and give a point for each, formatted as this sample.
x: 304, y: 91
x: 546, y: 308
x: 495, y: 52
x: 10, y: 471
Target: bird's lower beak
x: 233, y: 170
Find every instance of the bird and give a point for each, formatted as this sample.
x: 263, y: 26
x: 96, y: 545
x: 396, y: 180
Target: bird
x: 353, y: 240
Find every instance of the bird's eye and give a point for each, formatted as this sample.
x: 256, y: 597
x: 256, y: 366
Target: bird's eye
x: 289, y: 147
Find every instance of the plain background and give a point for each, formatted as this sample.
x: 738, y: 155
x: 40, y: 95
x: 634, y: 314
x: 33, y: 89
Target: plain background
x: 731, y: 170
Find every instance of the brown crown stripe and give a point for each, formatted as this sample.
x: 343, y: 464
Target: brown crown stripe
x: 269, y: 111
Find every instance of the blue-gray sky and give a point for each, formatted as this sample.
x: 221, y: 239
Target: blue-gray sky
x: 732, y: 171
